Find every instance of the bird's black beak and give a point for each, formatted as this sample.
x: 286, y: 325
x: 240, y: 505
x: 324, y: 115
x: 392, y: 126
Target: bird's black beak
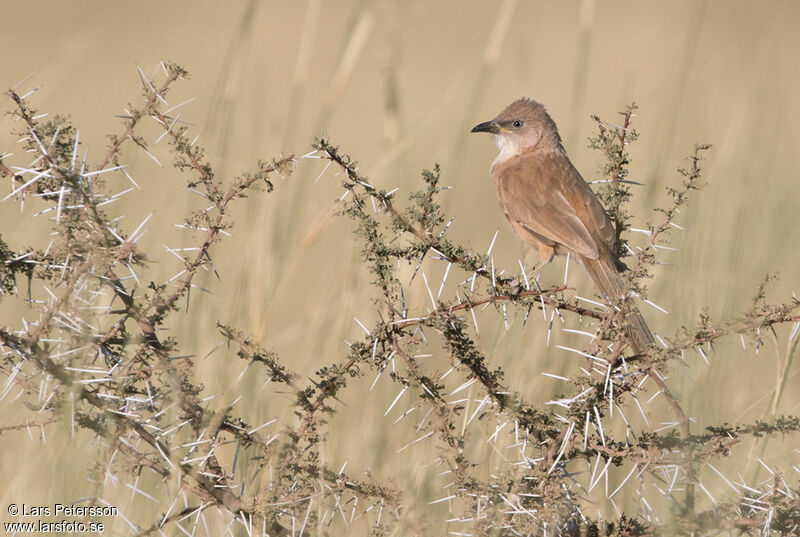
x: 489, y: 126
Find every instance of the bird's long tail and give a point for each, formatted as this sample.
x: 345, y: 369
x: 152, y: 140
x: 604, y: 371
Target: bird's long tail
x: 607, y: 278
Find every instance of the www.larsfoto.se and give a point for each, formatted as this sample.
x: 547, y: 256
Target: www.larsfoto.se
x: 63, y: 526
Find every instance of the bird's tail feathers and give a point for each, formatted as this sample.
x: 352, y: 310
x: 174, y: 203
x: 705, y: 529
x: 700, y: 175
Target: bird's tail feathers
x: 606, y: 277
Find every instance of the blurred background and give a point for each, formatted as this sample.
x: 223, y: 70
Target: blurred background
x: 398, y: 85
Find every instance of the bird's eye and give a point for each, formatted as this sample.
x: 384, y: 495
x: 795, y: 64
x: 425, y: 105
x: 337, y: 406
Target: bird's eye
x: 517, y: 123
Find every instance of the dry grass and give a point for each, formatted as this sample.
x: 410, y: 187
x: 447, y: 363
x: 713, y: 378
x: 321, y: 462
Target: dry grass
x: 397, y: 85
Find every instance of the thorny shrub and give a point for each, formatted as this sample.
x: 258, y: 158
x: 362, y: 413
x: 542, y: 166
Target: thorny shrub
x: 97, y: 355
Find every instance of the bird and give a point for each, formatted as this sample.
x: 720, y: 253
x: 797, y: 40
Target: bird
x: 553, y: 209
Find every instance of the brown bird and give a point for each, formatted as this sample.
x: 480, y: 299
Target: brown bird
x: 552, y: 208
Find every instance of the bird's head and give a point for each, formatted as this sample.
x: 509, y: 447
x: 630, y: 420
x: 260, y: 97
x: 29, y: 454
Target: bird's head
x: 523, y: 125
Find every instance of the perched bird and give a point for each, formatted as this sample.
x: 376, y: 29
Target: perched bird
x: 552, y: 208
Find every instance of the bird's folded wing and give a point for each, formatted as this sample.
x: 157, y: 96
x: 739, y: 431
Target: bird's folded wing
x: 533, y: 189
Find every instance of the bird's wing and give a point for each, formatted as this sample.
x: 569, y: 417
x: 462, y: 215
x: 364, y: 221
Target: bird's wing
x: 590, y: 211
x: 546, y: 195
